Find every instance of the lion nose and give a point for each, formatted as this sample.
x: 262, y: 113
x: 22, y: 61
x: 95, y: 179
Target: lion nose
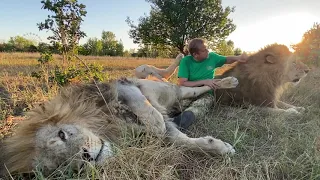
x: 86, y: 155
x: 306, y: 71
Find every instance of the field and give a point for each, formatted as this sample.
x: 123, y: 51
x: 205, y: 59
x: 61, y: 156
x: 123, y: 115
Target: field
x: 268, y: 146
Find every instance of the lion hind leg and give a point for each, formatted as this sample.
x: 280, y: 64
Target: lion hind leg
x: 144, y: 71
x: 202, y: 144
x: 140, y: 106
x: 160, y: 108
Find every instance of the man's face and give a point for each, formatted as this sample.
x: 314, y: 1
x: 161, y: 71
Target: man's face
x: 202, y: 54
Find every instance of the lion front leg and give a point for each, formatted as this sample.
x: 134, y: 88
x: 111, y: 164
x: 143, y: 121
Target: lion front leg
x: 192, y: 92
x: 207, y: 144
x: 276, y: 110
x: 284, y: 105
x: 140, y: 106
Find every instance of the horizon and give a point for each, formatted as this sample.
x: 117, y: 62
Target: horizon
x: 258, y: 24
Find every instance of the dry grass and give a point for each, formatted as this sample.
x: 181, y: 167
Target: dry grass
x: 268, y: 146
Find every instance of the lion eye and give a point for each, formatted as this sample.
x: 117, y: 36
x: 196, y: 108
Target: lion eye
x: 62, y: 135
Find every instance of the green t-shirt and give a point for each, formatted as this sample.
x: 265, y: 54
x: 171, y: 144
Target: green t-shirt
x: 194, y: 70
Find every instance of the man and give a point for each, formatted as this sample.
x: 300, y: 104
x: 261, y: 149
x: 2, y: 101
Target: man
x: 197, y: 69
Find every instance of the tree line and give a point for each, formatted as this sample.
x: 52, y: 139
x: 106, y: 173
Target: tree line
x: 162, y: 33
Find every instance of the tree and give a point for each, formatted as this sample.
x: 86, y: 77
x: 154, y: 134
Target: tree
x: 111, y: 46
x: 225, y: 48
x: 309, y: 47
x: 93, y: 46
x: 64, y: 24
x: 237, y: 51
x: 119, y: 48
x: 107, y: 45
x: 21, y: 44
x: 175, y: 21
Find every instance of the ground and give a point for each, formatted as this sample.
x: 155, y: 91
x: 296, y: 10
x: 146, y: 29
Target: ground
x: 268, y: 146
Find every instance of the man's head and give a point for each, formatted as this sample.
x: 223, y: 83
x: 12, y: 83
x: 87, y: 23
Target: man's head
x: 198, y: 49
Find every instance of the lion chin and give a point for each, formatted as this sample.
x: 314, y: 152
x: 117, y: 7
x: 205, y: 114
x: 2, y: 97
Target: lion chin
x: 262, y: 79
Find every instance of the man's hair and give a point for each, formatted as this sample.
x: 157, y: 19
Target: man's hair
x: 194, y: 45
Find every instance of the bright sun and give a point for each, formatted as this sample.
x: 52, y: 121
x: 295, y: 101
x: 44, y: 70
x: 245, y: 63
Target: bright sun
x: 286, y: 29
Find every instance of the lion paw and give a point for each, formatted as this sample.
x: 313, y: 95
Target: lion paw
x: 217, y: 146
x: 230, y: 148
x: 300, y: 109
x: 292, y: 111
x: 178, y: 58
x: 229, y: 82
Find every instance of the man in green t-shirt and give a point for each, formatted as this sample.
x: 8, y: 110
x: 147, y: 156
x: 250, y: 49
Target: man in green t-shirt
x: 197, y: 69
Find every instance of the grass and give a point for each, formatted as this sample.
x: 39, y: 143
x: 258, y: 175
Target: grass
x: 268, y: 146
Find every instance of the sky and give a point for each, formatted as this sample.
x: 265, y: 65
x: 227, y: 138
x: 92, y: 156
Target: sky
x: 258, y: 22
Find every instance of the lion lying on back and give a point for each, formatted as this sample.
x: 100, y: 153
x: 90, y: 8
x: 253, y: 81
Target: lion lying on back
x: 262, y: 78
x: 84, y: 122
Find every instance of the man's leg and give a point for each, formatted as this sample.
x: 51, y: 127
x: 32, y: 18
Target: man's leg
x: 196, y: 110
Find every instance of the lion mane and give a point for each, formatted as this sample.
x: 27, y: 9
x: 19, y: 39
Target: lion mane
x: 263, y: 77
x: 80, y: 104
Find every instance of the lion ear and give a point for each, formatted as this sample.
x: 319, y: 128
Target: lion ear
x: 270, y: 58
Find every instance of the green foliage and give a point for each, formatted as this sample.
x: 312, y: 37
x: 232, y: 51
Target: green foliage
x: 153, y: 51
x: 237, y: 51
x: 63, y: 76
x: 106, y: 46
x: 226, y: 48
x: 309, y: 47
x: 175, y: 21
x: 111, y: 46
x: 64, y: 24
x: 18, y: 44
x: 92, y: 47
x: 45, y: 58
x: 77, y: 73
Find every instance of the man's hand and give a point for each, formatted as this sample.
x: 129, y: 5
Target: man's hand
x: 212, y: 83
x: 243, y: 57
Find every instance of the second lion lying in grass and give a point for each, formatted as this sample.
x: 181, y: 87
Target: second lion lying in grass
x: 261, y: 79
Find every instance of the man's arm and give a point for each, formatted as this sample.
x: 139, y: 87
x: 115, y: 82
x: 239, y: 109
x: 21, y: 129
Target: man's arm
x: 231, y: 59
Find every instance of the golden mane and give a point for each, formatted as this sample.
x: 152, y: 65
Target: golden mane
x: 260, y: 79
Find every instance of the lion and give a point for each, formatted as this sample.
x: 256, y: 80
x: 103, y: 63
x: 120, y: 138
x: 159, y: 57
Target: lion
x: 84, y: 122
x: 262, y: 79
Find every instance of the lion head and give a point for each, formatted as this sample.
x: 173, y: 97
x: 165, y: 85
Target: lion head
x: 296, y: 70
x: 262, y: 77
x: 79, y: 125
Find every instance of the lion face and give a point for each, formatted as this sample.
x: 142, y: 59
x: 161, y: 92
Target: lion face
x: 56, y: 144
x: 296, y: 70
